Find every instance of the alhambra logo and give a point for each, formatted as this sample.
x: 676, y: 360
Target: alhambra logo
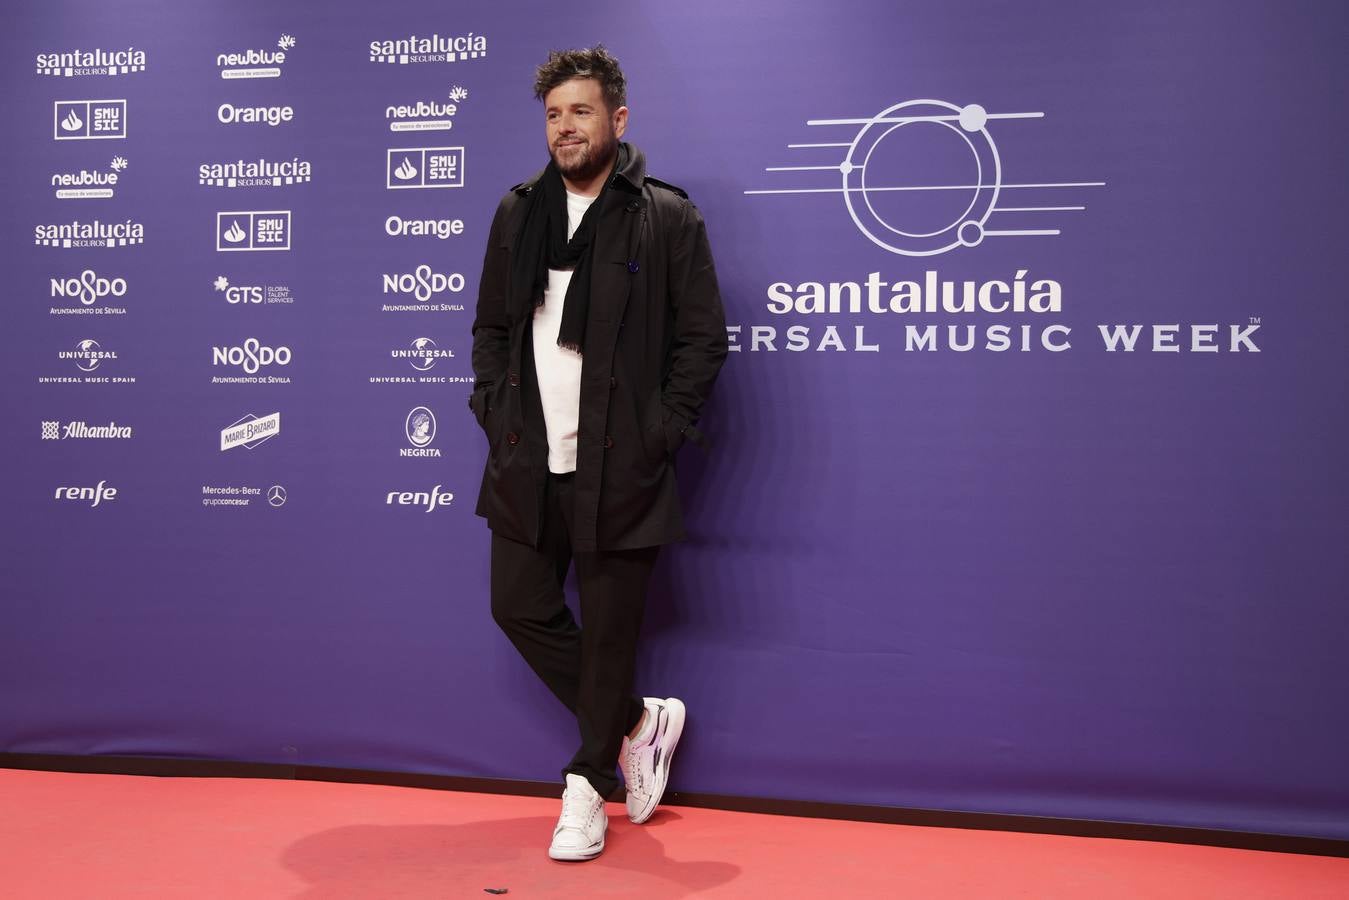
x: 254, y: 62
x: 925, y: 177
x: 255, y: 173
x: 74, y: 63
x: 429, y: 49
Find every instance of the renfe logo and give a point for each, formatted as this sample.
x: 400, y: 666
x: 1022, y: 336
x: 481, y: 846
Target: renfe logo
x: 432, y: 500
x: 96, y: 494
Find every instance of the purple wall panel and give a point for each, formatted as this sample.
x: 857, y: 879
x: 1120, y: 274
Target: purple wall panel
x: 1078, y: 583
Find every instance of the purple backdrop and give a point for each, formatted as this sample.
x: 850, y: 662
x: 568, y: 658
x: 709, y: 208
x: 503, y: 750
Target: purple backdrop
x: 1068, y: 582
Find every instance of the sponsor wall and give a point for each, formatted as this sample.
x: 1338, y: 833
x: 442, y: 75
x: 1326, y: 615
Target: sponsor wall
x: 1027, y: 485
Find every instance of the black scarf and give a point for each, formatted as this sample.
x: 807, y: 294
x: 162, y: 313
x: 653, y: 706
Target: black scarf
x: 542, y: 245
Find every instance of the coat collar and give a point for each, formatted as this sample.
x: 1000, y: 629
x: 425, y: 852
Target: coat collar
x: 629, y: 178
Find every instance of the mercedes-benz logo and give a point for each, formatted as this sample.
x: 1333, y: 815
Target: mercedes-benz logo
x: 276, y: 495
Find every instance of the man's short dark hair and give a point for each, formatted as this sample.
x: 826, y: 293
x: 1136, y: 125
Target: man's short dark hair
x: 596, y: 63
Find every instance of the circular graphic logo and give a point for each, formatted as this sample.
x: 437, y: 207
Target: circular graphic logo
x: 276, y: 495
x: 922, y: 177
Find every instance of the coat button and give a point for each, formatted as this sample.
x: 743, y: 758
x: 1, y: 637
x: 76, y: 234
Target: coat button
x: 613, y: 383
x: 512, y: 438
x: 608, y: 442
x: 633, y: 206
x: 632, y: 265
x: 514, y: 379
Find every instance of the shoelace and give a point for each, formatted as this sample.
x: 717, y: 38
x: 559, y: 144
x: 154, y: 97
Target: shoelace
x: 633, y: 766
x: 573, y: 806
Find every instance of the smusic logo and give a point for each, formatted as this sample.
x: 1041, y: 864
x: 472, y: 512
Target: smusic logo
x: 250, y: 230
x: 88, y: 120
x: 411, y: 168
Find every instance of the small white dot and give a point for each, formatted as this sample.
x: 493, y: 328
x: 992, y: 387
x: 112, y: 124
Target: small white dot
x: 973, y: 117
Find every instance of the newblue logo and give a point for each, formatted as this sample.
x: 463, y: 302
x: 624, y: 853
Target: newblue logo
x: 255, y: 63
x: 89, y: 184
x: 426, y: 115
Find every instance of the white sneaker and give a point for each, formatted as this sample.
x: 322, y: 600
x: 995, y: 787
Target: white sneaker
x: 646, y: 764
x: 580, y: 829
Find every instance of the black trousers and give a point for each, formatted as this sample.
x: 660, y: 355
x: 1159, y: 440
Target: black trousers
x: 589, y: 668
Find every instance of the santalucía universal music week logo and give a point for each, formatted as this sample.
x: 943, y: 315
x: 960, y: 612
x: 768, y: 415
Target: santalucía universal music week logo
x: 429, y: 49
x: 426, y: 115
x: 75, y: 63
x: 255, y: 173
x: 924, y: 178
x: 89, y: 120
x: 89, y: 184
x: 255, y: 62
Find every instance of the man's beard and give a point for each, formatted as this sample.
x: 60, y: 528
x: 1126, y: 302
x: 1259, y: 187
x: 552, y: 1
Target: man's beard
x: 596, y: 159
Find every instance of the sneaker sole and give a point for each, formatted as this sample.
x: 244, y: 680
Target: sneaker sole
x: 576, y: 855
x: 674, y: 728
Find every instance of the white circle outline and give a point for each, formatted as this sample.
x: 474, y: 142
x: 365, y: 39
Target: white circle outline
x: 960, y: 219
x: 996, y: 186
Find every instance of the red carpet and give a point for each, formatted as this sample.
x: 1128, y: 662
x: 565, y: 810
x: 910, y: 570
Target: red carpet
x: 113, y: 836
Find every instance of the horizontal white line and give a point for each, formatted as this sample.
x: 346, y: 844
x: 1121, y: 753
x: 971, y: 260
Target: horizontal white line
x: 1015, y: 233
x: 899, y: 119
x: 797, y: 146
x: 804, y: 168
x: 930, y: 187
x: 1036, y: 208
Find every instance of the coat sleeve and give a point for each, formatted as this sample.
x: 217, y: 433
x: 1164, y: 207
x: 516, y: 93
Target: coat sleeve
x: 698, y: 346
x: 491, y: 324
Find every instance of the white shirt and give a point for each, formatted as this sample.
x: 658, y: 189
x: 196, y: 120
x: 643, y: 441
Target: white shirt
x: 559, y: 369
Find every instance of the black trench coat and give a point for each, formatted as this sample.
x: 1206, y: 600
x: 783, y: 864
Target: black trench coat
x: 654, y: 343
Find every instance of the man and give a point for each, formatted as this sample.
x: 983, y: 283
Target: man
x: 598, y: 336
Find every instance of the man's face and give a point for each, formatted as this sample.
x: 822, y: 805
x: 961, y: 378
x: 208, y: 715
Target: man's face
x: 582, y: 133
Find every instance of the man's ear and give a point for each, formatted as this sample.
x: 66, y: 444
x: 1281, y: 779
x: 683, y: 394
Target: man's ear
x: 620, y: 121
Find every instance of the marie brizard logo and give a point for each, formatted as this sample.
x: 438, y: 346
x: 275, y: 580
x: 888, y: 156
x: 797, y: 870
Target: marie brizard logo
x: 924, y: 176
